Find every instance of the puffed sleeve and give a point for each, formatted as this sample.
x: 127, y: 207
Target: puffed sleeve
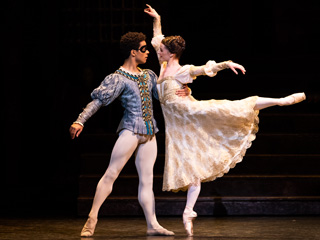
x: 184, y: 76
x: 110, y: 88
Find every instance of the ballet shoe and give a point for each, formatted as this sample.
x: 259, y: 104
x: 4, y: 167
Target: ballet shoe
x: 88, y: 228
x: 187, y: 221
x: 159, y: 232
x: 293, y: 99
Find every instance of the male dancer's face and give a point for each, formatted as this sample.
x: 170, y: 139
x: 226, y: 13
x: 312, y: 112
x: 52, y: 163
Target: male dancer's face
x: 142, y: 53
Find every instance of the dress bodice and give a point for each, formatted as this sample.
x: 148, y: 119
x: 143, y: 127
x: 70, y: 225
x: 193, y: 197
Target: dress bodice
x: 167, y: 88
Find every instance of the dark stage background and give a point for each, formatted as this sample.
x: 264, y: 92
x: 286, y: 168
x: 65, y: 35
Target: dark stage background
x: 57, y: 52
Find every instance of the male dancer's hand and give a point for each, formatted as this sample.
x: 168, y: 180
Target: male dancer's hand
x: 75, y: 130
x: 185, y: 91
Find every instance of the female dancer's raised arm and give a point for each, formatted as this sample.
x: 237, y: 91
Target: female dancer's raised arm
x: 157, y: 32
x: 210, y: 69
x: 157, y: 20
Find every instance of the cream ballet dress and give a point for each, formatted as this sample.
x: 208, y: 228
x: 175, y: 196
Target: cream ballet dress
x: 204, y: 139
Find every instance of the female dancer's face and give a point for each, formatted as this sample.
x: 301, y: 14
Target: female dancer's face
x: 164, y: 53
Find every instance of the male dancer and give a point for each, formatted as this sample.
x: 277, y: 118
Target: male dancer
x: 137, y: 128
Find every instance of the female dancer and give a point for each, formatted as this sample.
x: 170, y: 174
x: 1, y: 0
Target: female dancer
x: 204, y: 139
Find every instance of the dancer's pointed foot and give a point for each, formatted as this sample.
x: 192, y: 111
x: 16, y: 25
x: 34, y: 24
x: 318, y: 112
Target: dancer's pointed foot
x: 188, y: 217
x: 89, y: 227
x: 159, y: 232
x: 292, y: 99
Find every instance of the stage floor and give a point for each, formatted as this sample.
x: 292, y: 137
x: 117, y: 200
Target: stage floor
x: 260, y: 228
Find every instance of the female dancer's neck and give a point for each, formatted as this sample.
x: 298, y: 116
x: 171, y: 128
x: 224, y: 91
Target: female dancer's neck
x: 173, y: 63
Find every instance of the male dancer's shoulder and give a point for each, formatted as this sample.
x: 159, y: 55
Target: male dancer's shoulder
x: 112, y: 77
x: 152, y: 75
x: 110, y: 82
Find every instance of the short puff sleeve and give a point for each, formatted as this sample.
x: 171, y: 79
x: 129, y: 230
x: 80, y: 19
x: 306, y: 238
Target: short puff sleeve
x: 109, y: 89
x: 183, y: 75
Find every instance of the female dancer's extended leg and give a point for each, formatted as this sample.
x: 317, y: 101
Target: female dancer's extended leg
x: 269, y: 102
x: 194, y: 190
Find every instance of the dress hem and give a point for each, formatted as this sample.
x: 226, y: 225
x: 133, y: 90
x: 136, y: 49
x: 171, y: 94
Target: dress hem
x: 235, y: 160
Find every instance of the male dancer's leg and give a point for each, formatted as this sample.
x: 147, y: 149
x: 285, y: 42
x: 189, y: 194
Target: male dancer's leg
x: 145, y: 158
x: 122, y: 151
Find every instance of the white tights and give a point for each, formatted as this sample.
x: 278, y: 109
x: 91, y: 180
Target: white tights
x: 263, y: 102
x: 192, y: 196
x: 146, y: 152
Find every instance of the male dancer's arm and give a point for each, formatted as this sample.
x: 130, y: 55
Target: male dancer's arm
x: 77, y: 126
x: 110, y: 88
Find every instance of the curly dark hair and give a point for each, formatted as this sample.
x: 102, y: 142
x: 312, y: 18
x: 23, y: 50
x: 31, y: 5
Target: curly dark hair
x: 175, y: 44
x: 129, y: 41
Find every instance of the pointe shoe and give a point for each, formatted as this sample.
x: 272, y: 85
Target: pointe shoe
x: 88, y: 228
x: 187, y: 221
x: 293, y: 99
x: 159, y: 232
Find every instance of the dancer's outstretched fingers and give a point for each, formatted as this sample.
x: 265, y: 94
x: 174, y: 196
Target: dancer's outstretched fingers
x: 234, y: 70
x: 243, y: 70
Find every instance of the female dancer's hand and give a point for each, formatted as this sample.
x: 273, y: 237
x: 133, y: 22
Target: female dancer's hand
x: 233, y: 66
x: 75, y: 130
x: 152, y: 12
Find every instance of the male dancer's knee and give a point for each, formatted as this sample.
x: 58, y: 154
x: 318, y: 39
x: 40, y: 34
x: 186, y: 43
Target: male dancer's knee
x: 146, y: 184
x: 110, y: 176
x: 145, y: 192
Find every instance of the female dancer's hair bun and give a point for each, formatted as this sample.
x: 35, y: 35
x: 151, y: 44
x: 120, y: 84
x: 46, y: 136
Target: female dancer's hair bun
x: 181, y: 42
x: 175, y: 44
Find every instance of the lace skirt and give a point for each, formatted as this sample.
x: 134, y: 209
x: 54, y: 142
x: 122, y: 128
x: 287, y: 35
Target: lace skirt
x: 204, y: 139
